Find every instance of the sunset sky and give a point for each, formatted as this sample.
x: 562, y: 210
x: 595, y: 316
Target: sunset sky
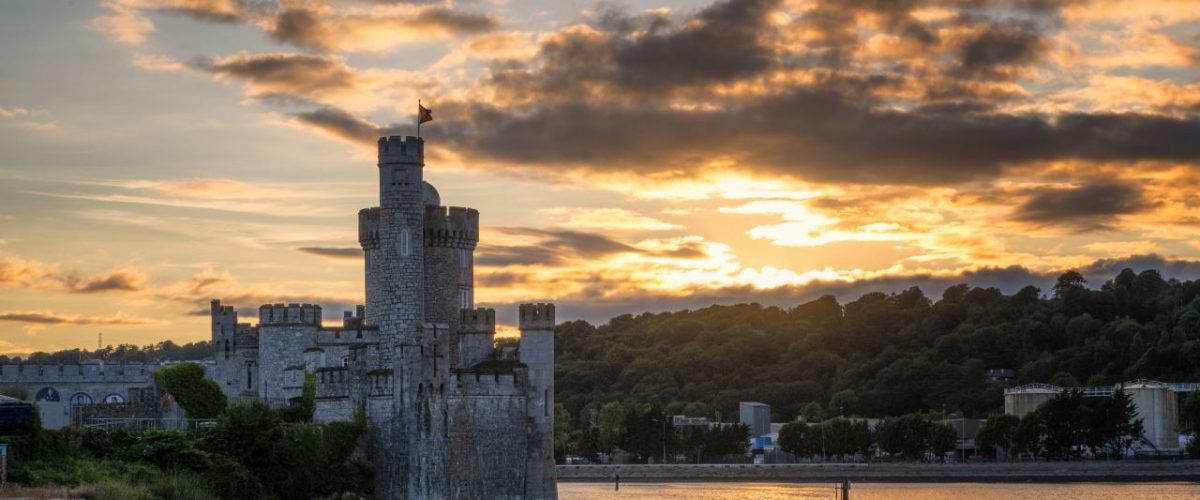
x: 626, y: 156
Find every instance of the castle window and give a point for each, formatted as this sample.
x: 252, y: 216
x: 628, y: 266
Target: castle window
x: 226, y: 349
x: 404, y: 242
x: 249, y: 377
x: 546, y: 403
x: 399, y: 176
x: 464, y: 298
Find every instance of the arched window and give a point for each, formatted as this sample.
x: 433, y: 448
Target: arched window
x: 81, y: 399
x: 46, y: 394
x: 405, y: 242
x: 114, y: 398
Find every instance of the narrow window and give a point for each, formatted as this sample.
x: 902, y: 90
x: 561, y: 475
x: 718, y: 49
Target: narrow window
x: 546, y: 403
x: 405, y: 242
x: 226, y: 349
x: 249, y: 377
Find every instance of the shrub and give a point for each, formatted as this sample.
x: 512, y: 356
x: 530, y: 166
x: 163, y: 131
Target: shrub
x: 198, y: 396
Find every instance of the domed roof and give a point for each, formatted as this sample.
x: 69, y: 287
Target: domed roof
x: 431, y: 197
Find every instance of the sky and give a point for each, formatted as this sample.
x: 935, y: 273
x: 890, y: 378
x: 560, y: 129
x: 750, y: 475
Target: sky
x: 626, y: 156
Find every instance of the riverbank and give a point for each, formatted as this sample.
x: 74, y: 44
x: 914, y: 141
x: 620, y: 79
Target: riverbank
x: 1043, y: 472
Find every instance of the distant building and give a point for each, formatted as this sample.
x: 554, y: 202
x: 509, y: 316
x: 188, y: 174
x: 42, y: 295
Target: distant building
x: 756, y: 416
x: 1000, y: 375
x: 689, y: 425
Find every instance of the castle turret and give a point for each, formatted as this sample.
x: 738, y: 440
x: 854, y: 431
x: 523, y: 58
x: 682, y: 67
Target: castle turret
x: 476, y: 336
x: 536, y: 322
x: 393, y: 239
x: 450, y: 239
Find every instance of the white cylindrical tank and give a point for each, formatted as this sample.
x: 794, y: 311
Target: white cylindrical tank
x: 1157, y: 407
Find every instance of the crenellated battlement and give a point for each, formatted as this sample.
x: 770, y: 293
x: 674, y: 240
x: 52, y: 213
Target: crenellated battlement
x: 368, y: 228
x: 478, y: 320
x: 397, y: 149
x: 289, y: 314
x: 333, y: 382
x: 536, y: 317
x: 455, y: 227
x: 489, y: 383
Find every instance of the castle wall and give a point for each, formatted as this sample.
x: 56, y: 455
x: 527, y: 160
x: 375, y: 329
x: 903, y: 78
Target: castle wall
x: 487, y: 419
x: 281, y: 349
x: 536, y: 322
x: 89, y: 382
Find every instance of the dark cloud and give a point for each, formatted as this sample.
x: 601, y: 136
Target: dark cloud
x: 454, y: 21
x: 552, y: 247
x: 353, y: 253
x: 343, y: 125
x: 815, y: 134
x: 320, y: 31
x: 119, y: 281
x: 51, y: 318
x: 721, y: 43
x: 1001, y: 46
x: 1091, y: 206
x: 281, y: 73
x: 501, y: 279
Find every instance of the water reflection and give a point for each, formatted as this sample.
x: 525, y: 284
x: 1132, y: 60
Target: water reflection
x: 881, y: 491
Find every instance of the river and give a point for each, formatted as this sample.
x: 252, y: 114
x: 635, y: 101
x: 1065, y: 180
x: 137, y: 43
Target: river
x: 881, y: 491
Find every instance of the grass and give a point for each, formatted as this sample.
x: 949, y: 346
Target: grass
x: 106, y: 480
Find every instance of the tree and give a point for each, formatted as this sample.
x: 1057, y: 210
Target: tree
x: 611, y: 424
x: 198, y: 396
x: 942, y: 440
x: 1030, y: 436
x: 1112, y: 426
x: 907, y: 436
x: 796, y: 438
x: 1064, y: 425
x: 562, y: 432
x: 997, y: 433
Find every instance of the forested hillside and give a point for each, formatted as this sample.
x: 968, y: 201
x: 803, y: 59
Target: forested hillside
x: 885, y: 355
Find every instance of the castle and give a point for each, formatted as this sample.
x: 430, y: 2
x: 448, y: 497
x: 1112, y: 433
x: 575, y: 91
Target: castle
x: 447, y: 415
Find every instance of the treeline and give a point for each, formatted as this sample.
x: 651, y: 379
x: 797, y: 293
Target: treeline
x: 153, y: 353
x: 884, y: 354
x: 646, y: 433
x: 252, y: 451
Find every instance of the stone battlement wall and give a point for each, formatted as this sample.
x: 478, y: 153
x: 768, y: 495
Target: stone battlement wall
x: 368, y: 228
x: 473, y: 383
x: 453, y: 227
x: 397, y: 149
x: 536, y: 316
x: 289, y: 314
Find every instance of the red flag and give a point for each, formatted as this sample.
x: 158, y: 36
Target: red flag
x: 424, y: 114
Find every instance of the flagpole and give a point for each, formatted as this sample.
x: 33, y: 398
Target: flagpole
x: 418, y: 118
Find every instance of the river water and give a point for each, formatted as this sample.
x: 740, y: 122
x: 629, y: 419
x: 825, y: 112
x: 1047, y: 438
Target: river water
x: 881, y: 491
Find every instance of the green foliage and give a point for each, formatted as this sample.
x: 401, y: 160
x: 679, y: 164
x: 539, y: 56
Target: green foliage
x: 999, y: 431
x: 302, y: 410
x: 1189, y: 414
x: 795, y: 438
x: 1065, y: 426
x: 162, y: 351
x: 198, y: 396
x: 562, y: 432
x: 883, y: 355
x: 611, y: 426
x: 169, y: 449
x: 290, y: 460
x: 730, y: 440
x: 914, y: 436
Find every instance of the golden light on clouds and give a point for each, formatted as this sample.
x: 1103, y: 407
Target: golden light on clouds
x: 623, y: 158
